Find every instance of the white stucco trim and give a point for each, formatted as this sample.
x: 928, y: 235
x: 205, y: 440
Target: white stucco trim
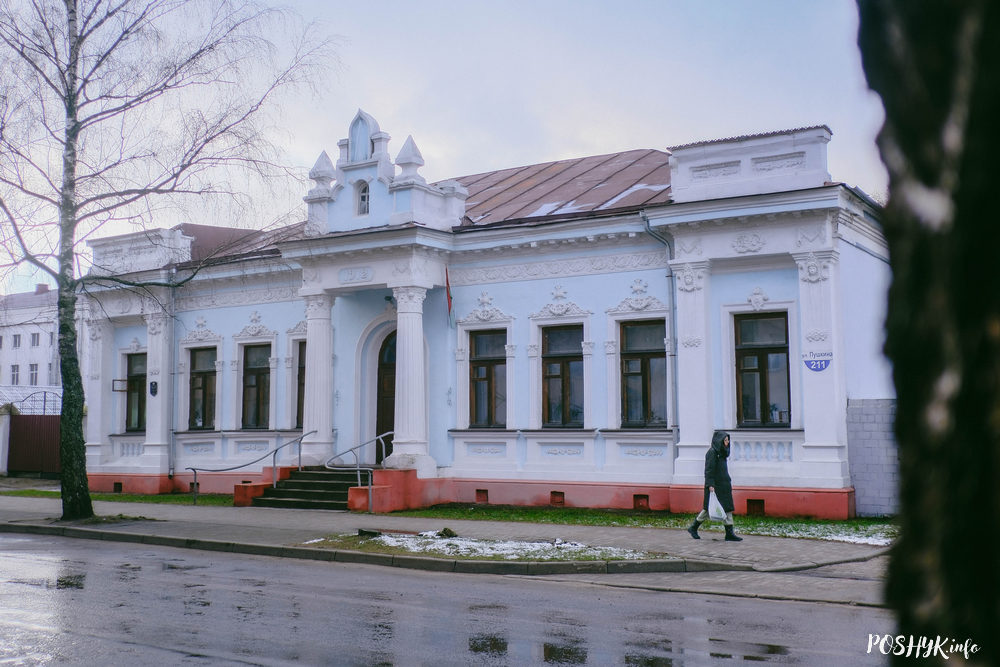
x: 727, y: 351
x: 462, y: 406
x: 535, y: 366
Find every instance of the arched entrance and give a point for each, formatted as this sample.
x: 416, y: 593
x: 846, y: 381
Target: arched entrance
x: 386, y: 394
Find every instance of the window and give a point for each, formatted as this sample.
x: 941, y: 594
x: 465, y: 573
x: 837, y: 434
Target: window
x: 52, y: 338
x: 488, y: 379
x: 762, y: 389
x: 644, y: 374
x: 35, y: 339
x: 135, y: 392
x: 300, y: 395
x: 562, y: 376
x: 201, y: 412
x: 363, y: 199
x: 1, y: 342
x: 16, y: 340
x: 33, y: 375
x: 15, y: 374
x: 256, y: 385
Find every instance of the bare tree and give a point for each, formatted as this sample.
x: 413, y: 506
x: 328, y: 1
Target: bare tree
x: 109, y: 110
x: 936, y: 66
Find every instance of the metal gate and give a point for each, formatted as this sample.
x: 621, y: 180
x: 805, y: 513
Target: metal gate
x: 34, y: 435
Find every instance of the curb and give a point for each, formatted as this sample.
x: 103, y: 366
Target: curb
x: 425, y: 563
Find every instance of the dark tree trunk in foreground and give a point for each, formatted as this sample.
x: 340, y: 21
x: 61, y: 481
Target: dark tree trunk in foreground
x: 936, y: 66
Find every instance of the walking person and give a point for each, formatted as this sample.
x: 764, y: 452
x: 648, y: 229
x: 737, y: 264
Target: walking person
x: 717, y: 479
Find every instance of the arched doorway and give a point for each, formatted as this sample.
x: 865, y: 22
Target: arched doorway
x: 386, y: 394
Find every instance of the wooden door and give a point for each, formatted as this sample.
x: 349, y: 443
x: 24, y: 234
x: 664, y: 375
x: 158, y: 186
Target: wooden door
x: 386, y: 399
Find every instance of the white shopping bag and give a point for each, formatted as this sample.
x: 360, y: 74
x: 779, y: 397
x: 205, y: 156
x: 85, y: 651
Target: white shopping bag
x: 715, y: 510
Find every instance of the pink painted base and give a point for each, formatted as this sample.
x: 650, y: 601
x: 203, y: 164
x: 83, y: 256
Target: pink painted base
x: 220, y: 482
x: 402, y: 489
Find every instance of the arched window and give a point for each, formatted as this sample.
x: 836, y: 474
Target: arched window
x: 362, y: 198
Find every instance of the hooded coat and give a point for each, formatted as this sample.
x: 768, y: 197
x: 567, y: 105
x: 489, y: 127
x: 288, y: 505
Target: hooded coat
x: 717, y: 472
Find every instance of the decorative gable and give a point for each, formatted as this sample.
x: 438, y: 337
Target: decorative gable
x: 362, y: 190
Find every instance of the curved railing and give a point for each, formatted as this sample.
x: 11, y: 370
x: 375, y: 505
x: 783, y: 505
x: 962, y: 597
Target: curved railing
x: 274, y: 464
x: 380, y: 440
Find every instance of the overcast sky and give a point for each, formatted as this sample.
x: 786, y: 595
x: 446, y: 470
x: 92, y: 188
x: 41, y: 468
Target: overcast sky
x: 488, y: 85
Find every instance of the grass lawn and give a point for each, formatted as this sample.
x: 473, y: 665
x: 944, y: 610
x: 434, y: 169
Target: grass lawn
x: 876, y: 530
x: 213, y: 499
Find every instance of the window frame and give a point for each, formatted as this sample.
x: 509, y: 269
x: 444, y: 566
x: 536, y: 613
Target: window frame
x: 564, y: 360
x: 489, y: 363
x: 263, y: 403
x: 135, y: 390
x: 33, y: 375
x: 15, y: 374
x: 300, y: 346
x: 36, y: 339
x: 209, y: 404
x: 643, y: 357
x: 362, y: 199
x: 15, y: 341
x: 761, y: 352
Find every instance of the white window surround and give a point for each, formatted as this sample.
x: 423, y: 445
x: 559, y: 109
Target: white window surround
x: 612, y: 350
x: 120, y: 397
x: 362, y: 197
x: 728, y: 356
x: 462, y: 370
x: 295, y: 336
x: 184, y: 381
x: 234, y: 421
x: 535, y: 365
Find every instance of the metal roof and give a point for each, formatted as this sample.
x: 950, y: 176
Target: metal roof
x: 599, y: 183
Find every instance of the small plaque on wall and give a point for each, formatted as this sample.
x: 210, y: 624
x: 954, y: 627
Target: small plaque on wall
x: 119, y: 385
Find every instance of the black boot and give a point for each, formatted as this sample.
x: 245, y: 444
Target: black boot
x: 693, y: 529
x: 731, y: 536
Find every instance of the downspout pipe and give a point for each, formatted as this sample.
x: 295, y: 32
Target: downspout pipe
x: 172, y: 355
x: 668, y: 241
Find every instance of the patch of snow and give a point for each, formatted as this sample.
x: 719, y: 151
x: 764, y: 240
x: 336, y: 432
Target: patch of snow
x: 659, y: 187
x: 544, y: 209
x: 430, y: 543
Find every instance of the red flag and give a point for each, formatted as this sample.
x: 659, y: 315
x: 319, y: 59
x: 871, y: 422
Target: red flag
x: 447, y: 291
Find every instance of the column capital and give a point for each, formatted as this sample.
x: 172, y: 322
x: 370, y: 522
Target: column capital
x: 318, y: 306
x: 409, y: 299
x: 814, y: 266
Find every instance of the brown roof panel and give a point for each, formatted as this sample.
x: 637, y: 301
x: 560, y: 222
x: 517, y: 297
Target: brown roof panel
x: 580, y: 185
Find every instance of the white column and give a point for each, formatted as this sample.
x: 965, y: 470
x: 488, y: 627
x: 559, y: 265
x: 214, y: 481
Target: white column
x: 824, y: 401
x: 98, y: 373
x: 694, y: 400
x: 317, y: 409
x: 155, y: 452
x: 409, y: 442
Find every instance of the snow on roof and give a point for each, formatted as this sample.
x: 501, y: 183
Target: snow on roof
x: 603, y: 183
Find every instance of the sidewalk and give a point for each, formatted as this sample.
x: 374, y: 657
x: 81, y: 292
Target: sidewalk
x: 766, y: 567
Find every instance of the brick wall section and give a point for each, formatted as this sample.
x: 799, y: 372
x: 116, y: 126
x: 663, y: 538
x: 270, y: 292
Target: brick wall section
x: 872, y: 454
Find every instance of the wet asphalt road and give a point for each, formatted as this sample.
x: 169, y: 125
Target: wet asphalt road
x: 78, y: 602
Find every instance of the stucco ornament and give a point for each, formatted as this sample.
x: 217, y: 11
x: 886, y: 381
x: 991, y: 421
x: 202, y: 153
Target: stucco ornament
x: 559, y: 306
x: 689, y: 278
x: 812, y: 269
x: 750, y: 242
x: 255, y: 329
x: 757, y: 298
x: 486, y: 312
x: 201, y: 332
x: 317, y: 306
x: 639, y: 301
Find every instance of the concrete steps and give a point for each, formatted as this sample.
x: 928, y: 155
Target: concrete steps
x: 311, y: 488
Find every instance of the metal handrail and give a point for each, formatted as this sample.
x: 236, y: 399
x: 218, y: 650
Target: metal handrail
x: 274, y: 464
x: 380, y: 439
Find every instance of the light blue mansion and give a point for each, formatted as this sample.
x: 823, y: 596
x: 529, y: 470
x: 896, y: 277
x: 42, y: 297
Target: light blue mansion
x: 569, y: 332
